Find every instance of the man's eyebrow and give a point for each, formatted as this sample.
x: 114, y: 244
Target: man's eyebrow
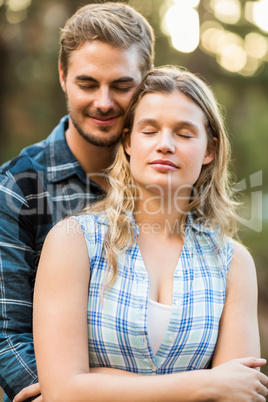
x: 124, y: 79
x: 118, y: 81
x: 85, y: 78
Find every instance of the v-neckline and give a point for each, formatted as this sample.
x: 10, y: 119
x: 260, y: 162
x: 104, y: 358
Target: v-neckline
x: 176, y: 266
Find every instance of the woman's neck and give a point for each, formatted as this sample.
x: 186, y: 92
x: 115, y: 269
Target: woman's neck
x: 161, y: 214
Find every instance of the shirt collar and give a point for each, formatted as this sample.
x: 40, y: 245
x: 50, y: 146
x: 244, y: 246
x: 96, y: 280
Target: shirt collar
x: 197, y: 226
x: 103, y: 219
x: 61, y: 163
x: 191, y: 224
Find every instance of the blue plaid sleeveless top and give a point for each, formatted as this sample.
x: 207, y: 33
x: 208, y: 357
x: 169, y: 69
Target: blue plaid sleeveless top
x: 117, y: 323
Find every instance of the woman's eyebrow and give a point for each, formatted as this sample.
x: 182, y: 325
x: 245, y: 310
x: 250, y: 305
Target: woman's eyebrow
x: 145, y: 120
x: 187, y: 124
x: 179, y: 124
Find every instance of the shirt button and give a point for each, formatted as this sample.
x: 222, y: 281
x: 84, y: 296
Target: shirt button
x: 177, y: 302
x: 171, y: 338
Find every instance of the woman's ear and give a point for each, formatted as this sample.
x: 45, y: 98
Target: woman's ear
x: 126, y: 141
x: 211, y: 150
x: 62, y: 78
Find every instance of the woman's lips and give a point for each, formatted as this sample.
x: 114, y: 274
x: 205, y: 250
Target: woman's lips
x: 163, y: 165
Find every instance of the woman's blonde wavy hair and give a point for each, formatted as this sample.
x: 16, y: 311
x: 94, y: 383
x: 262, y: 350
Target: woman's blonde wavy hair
x: 211, y: 203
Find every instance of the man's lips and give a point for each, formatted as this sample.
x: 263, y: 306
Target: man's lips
x: 104, y: 120
x: 163, y: 165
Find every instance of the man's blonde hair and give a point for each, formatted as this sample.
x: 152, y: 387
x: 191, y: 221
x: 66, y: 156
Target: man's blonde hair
x: 114, y: 23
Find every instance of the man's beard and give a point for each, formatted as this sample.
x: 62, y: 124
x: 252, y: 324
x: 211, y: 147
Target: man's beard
x: 104, y: 142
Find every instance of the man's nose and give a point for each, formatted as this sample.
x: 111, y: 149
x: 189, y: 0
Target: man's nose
x: 165, y: 142
x: 104, y: 100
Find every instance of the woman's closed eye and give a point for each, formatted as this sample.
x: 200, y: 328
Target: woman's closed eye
x: 149, y: 130
x: 184, y: 134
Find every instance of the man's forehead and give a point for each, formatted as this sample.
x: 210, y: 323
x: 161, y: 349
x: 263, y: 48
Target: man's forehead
x: 101, y: 60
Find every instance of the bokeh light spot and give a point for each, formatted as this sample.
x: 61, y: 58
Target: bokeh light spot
x: 15, y: 17
x: 260, y: 14
x: 251, y: 67
x: 212, y: 35
x: 232, y: 57
x: 189, y: 3
x: 256, y: 45
x: 228, y: 11
x: 182, y: 23
x: 18, y: 5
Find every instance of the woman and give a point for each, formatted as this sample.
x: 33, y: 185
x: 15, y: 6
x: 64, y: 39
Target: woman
x: 149, y: 280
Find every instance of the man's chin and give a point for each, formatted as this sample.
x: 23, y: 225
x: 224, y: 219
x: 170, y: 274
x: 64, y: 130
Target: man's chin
x: 100, y: 140
x: 99, y: 137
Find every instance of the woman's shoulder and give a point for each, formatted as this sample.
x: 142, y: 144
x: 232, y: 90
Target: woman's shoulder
x: 242, y: 259
x: 241, y: 251
x: 89, y: 229
x: 63, y: 233
x: 242, y: 279
x: 64, y: 245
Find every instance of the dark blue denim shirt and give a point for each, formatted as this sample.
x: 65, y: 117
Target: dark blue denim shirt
x: 38, y: 188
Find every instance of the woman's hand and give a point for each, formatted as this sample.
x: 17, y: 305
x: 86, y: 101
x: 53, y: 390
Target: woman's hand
x: 239, y: 381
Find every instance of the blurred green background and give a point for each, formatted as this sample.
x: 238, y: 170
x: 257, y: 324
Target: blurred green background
x: 224, y: 41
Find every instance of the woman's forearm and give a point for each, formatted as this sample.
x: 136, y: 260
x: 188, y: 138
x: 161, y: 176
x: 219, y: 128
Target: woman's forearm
x: 112, y: 371
x: 236, y: 380
x: 110, y: 386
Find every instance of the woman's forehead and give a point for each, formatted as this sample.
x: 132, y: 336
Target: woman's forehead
x: 168, y: 105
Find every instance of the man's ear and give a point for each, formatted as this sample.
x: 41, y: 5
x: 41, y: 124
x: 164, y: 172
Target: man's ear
x: 62, y: 77
x: 211, y: 151
x: 126, y: 141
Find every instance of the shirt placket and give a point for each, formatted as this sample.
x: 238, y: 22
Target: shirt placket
x: 182, y: 283
x: 142, y: 284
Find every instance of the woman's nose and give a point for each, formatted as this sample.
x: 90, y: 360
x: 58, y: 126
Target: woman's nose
x: 166, y: 143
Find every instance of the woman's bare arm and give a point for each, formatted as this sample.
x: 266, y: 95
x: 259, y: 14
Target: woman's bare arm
x: 61, y: 342
x: 238, y: 332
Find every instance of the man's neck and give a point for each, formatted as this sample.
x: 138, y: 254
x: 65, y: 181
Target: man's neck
x: 93, y: 159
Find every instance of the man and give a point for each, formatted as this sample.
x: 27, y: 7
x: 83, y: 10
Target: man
x: 105, y: 49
